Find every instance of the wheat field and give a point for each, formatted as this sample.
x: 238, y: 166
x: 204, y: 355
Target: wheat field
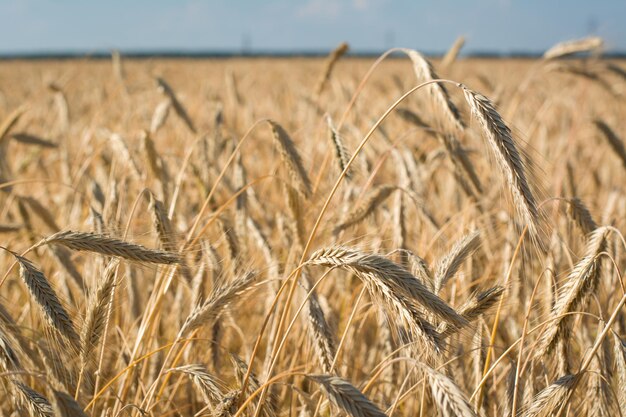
x: 314, y: 237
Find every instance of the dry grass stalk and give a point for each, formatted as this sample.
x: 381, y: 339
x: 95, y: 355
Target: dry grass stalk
x: 232, y: 88
x: 500, y: 140
x: 581, y: 71
x: 562, y: 49
x: 347, y: 397
x: 291, y: 158
x: 93, y: 242
x: 478, y: 365
x: 332, y: 59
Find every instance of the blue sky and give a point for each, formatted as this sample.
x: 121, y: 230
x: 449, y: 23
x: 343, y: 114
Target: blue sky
x: 284, y: 25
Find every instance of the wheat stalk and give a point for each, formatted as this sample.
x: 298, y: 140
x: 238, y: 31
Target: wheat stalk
x: 105, y: 245
x: 453, y: 52
x: 97, y: 312
x: 562, y: 49
x: 319, y: 331
x: 46, y: 298
x: 29, y: 139
x: 394, y: 287
x: 450, y: 400
x: 159, y: 117
x: 367, y: 206
x: 66, y: 406
x: 500, y: 140
x: 614, y: 141
x: 215, y: 304
x: 579, y: 286
x: 424, y: 71
x: 332, y: 59
x: 291, y: 158
x: 165, y: 88
x: 452, y: 261
x: 581, y: 216
x: 341, y: 153
x: 207, y: 385
x: 346, y: 396
x: 37, y: 404
x: 550, y: 399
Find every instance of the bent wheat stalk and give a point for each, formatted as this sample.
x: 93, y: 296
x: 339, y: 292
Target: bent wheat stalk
x: 500, y: 140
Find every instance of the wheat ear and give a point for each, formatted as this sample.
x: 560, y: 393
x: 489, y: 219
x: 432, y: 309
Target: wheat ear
x: 47, y: 300
x: 346, y: 396
x: 500, y: 140
x: 580, y: 285
x: 93, y: 242
x: 291, y: 158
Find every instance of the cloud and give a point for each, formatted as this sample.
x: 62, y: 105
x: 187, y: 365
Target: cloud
x: 327, y: 9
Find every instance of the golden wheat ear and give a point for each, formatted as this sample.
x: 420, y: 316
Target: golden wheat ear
x: 500, y: 140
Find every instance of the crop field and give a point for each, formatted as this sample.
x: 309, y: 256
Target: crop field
x: 313, y: 236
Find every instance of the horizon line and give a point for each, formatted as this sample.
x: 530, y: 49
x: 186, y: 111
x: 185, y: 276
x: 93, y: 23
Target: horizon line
x: 148, y: 53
